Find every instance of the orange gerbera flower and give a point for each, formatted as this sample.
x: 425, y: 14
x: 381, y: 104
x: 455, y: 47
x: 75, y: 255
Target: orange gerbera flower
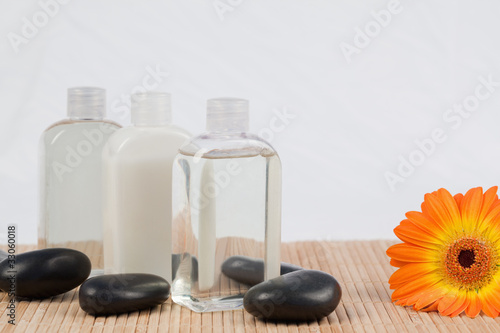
x: 450, y: 257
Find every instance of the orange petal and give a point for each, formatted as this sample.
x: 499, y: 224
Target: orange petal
x: 433, y: 295
x: 450, y: 204
x: 471, y: 208
x: 474, y: 307
x: 421, y: 221
x: 493, y: 232
x: 490, y: 218
x: 432, y: 307
x: 415, y: 286
x: 397, y: 263
x: 413, y: 300
x: 446, y: 301
x: 410, y: 253
x: 489, y: 198
x: 492, y: 294
x: 410, y: 233
x: 458, y: 198
x: 434, y: 208
x: 460, y: 308
x: 486, y: 305
x: 402, y: 302
x: 410, y: 272
x: 453, y: 304
x: 495, y: 204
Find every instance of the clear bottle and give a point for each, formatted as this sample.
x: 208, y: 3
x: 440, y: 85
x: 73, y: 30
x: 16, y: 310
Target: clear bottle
x: 70, y: 176
x: 138, y: 189
x: 227, y: 202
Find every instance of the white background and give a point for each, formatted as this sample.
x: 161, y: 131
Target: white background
x: 352, y: 120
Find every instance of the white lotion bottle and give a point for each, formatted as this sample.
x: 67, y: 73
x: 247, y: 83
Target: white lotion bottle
x: 137, y: 164
x: 70, y: 176
x: 227, y: 204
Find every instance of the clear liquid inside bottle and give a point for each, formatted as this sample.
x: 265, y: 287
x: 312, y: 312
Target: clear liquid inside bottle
x: 228, y: 203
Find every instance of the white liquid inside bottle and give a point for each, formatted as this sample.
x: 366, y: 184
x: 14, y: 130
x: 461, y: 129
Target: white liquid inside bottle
x: 71, y: 176
x: 138, y: 189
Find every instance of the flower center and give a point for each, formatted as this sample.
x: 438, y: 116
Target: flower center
x: 469, y: 263
x: 466, y: 258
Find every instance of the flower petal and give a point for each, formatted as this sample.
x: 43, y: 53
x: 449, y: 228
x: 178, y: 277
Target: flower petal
x: 474, y: 307
x: 453, y: 303
x: 491, y: 293
x: 410, y: 272
x: 397, y: 263
x: 402, y: 302
x: 410, y: 233
x: 451, y: 206
x: 434, y: 208
x: 410, y: 253
x: 486, y: 304
x: 447, y: 301
x: 464, y: 301
x: 493, y: 232
x: 458, y: 198
x: 421, y: 221
x: 471, y: 208
x: 417, y: 285
x: 429, y: 297
x: 489, y: 199
x: 432, y: 307
x: 490, y: 219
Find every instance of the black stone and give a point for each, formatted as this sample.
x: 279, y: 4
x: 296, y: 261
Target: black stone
x: 250, y: 271
x: 45, y: 273
x: 121, y: 293
x: 178, y: 258
x: 298, y: 296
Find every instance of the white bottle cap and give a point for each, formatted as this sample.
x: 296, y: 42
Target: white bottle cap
x: 151, y: 109
x: 86, y: 103
x: 227, y: 115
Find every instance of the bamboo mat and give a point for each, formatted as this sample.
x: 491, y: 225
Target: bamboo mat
x: 362, y: 269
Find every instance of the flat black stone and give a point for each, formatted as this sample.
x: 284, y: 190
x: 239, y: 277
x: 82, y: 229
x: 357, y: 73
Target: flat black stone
x: 298, y: 296
x: 249, y: 270
x: 122, y: 293
x: 45, y: 273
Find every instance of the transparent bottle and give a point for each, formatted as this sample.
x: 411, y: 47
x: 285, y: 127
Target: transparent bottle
x: 70, y: 176
x: 137, y: 164
x: 227, y: 202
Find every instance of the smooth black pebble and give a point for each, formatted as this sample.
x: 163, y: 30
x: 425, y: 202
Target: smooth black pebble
x: 45, y: 273
x: 298, y: 296
x: 250, y: 271
x: 121, y: 293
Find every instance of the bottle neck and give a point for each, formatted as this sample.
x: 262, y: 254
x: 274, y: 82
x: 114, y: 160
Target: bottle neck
x: 151, y: 109
x: 228, y: 125
x: 86, y: 103
x: 227, y: 115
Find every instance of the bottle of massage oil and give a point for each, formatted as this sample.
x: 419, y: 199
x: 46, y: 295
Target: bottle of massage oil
x: 227, y: 203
